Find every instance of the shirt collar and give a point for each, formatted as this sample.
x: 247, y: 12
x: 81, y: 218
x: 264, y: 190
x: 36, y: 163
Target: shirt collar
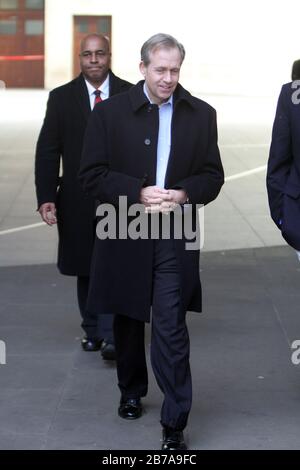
x: 170, y: 100
x: 104, y: 88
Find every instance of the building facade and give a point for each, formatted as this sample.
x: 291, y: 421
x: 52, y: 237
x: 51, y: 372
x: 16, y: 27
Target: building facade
x: 232, y: 47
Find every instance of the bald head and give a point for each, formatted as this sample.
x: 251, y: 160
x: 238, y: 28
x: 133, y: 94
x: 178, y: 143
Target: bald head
x: 97, y: 37
x: 95, y: 58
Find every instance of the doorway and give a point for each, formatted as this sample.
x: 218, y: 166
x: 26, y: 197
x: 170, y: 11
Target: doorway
x: 84, y: 25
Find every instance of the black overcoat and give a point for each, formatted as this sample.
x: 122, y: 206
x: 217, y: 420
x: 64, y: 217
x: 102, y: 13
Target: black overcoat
x: 119, y: 158
x: 60, y: 144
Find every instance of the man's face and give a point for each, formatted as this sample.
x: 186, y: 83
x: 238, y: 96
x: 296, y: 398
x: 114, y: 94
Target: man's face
x: 162, y: 74
x: 95, y: 60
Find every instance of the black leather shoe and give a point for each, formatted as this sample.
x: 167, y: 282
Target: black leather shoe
x: 172, y: 439
x: 108, y: 351
x: 91, y: 344
x: 130, y: 408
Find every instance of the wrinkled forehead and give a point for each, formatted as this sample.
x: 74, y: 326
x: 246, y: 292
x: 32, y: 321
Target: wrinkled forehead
x: 162, y: 53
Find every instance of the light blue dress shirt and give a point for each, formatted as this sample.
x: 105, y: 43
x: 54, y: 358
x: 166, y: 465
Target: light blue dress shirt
x: 165, y: 111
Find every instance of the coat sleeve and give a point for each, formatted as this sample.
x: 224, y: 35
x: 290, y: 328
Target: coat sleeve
x: 96, y: 176
x: 280, y: 157
x: 48, y: 153
x: 204, y: 187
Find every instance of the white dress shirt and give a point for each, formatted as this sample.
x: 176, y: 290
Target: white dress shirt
x: 104, y: 89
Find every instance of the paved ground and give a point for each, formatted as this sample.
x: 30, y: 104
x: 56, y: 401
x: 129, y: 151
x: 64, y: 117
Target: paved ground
x: 246, y: 389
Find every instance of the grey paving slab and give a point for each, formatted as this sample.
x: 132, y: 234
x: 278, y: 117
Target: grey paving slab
x: 29, y: 314
x: 38, y: 371
x: 226, y: 427
x: 224, y: 234
x: 25, y: 419
x: 39, y: 339
x: 20, y: 441
x: 21, y: 286
x: 80, y: 430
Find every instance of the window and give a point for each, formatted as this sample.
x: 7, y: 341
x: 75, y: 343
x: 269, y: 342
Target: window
x: 8, y: 26
x: 34, y: 27
x: 82, y: 26
x: 8, y: 4
x: 103, y: 25
x: 34, y: 4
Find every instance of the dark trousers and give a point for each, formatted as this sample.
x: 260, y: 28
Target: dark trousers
x: 169, y: 344
x: 95, y: 326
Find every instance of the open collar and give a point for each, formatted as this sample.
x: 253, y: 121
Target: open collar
x: 138, y: 99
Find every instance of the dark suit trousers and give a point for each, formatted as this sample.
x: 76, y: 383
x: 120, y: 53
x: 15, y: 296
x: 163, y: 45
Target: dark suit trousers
x: 95, y: 326
x: 169, y: 343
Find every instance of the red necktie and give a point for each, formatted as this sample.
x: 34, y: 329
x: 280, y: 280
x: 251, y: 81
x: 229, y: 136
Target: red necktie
x: 98, y: 98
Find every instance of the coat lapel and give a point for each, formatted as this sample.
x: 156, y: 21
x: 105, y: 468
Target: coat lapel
x: 113, y: 85
x: 82, y: 96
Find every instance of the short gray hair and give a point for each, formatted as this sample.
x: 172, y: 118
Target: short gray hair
x: 160, y: 41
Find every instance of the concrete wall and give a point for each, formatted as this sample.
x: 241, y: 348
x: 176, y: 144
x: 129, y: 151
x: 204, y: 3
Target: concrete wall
x: 233, y: 46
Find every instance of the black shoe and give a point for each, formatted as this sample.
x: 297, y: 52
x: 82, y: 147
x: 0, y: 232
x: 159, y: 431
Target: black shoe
x: 108, y: 351
x: 172, y: 439
x: 91, y: 344
x: 130, y: 408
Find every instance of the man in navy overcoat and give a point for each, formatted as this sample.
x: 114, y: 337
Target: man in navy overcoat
x: 283, y: 175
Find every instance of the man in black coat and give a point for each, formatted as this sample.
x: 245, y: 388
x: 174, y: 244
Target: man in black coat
x: 283, y: 174
x: 162, y: 155
x: 60, y: 198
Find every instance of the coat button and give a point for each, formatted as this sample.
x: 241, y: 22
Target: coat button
x: 147, y: 141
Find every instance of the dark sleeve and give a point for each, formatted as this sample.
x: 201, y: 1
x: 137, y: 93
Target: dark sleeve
x: 96, y: 177
x: 280, y: 157
x: 204, y: 187
x: 47, y: 156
